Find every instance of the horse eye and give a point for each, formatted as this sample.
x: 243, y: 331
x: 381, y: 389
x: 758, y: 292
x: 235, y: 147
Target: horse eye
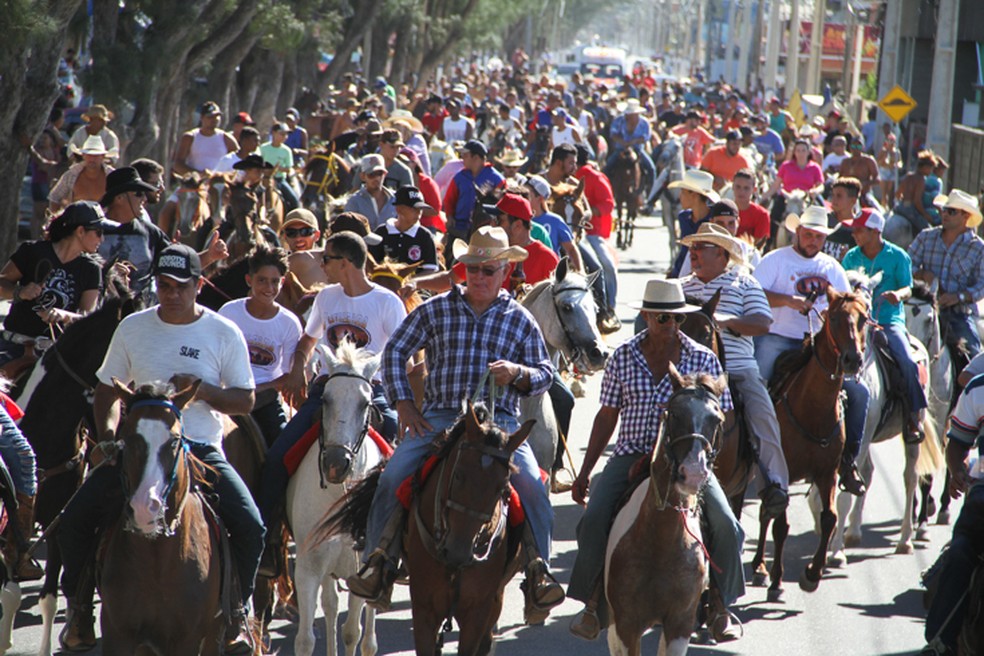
x: 916, y: 310
x: 568, y: 307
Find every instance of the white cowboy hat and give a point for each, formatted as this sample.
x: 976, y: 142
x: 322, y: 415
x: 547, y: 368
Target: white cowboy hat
x: 712, y: 233
x: 699, y: 182
x: 961, y: 200
x: 633, y: 106
x: 488, y: 244
x: 665, y: 296
x: 93, y: 146
x: 813, y: 218
x: 402, y: 115
x: 512, y: 158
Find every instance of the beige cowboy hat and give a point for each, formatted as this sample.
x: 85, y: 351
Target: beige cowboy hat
x: 699, y: 182
x: 93, y: 145
x: 665, y: 296
x: 961, y: 200
x: 633, y: 106
x: 402, y: 115
x: 712, y: 233
x: 97, y: 111
x: 512, y: 158
x: 813, y: 218
x: 488, y: 244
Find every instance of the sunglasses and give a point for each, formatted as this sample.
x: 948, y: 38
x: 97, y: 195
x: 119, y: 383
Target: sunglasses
x: 328, y: 258
x: 98, y: 231
x: 375, y: 174
x: 951, y: 211
x: 675, y: 318
x: 488, y: 272
x: 291, y: 233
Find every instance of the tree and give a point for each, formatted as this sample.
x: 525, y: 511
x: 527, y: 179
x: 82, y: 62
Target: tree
x: 28, y: 87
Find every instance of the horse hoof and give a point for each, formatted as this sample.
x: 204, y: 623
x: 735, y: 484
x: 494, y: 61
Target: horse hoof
x: 922, y: 534
x: 852, y: 541
x: 807, y: 584
x: 774, y: 595
x: 837, y: 559
x: 943, y: 519
x: 904, y: 548
x: 759, y: 580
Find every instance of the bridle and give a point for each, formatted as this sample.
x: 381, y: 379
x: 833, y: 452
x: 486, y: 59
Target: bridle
x: 183, y: 454
x: 838, y: 370
x: 555, y: 292
x: 350, y: 451
x: 330, y: 177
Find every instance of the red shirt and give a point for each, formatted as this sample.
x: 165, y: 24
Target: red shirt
x: 601, y: 199
x: 433, y: 122
x: 541, y: 262
x: 432, y: 196
x: 754, y: 221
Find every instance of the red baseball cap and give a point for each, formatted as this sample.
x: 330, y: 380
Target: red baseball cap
x: 515, y: 206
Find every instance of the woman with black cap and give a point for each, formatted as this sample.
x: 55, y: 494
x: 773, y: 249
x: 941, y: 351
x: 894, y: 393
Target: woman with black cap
x: 53, y: 280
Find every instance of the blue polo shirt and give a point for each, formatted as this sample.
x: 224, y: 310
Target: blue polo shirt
x: 556, y: 228
x: 896, y: 269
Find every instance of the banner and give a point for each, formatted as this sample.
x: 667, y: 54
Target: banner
x: 833, y: 44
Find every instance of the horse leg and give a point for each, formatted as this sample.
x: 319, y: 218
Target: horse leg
x: 369, y: 646
x: 780, y: 529
x: 926, y: 508
x: 425, y: 632
x: 624, y: 640
x: 911, y: 480
x: 759, y: 571
x: 810, y: 579
x: 307, y: 580
x: 10, y: 600
x: 943, y: 518
x: 263, y: 602
x: 48, y: 600
x: 838, y: 553
x: 853, y: 536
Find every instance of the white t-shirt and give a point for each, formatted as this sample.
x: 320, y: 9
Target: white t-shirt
x: 226, y: 162
x: 456, y: 130
x: 271, y: 342
x: 785, y: 271
x: 368, y: 320
x: 833, y: 161
x: 144, y: 349
x: 565, y: 136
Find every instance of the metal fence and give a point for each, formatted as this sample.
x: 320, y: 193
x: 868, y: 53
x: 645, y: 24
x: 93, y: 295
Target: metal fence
x: 967, y: 159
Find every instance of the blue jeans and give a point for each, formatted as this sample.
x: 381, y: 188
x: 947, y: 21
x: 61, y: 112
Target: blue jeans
x: 99, y: 502
x: 411, y: 453
x: 770, y: 346
x: 591, y: 264
x: 608, y: 265
x: 963, y: 557
x: 898, y: 344
x: 271, y: 420
x: 645, y: 163
x: 273, y: 483
x: 291, y: 201
x: 18, y: 456
x: 962, y: 326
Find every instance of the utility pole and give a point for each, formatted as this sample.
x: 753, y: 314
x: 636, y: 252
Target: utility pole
x: 814, y: 72
x: 745, y: 40
x: 756, y: 51
x: 699, y: 59
x: 888, y: 70
x: 729, y: 53
x: 941, y: 91
x: 852, y: 20
x: 771, y: 73
x: 792, y: 51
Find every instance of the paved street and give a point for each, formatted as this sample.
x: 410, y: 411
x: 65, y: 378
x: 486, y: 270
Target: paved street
x: 872, y: 606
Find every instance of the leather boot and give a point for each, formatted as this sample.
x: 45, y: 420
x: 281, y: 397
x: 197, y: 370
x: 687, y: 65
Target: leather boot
x: 849, y: 479
x: 374, y: 582
x: 272, y: 561
x: 78, y: 633
x: 541, y: 592
x: 15, y: 549
x: 239, y: 635
x: 722, y: 623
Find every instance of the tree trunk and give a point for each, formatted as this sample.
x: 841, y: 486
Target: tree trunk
x: 380, y: 51
x: 222, y: 78
x: 288, y: 84
x: 365, y: 15
x: 401, y: 51
x: 265, y: 104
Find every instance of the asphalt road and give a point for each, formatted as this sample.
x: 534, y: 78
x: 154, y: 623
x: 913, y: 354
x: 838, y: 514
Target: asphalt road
x: 870, y: 607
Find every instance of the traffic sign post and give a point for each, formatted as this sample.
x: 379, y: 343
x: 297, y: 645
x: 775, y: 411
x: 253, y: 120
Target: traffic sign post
x: 897, y: 104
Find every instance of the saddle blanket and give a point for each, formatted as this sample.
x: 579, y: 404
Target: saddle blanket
x: 293, y: 458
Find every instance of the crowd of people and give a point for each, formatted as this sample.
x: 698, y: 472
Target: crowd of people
x: 458, y: 180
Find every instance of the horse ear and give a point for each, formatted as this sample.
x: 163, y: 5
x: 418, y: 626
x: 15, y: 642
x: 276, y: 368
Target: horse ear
x: 721, y: 384
x: 561, y: 271
x: 327, y: 357
x: 124, y: 393
x: 516, y: 439
x: 472, y: 425
x: 675, y: 378
x: 711, y: 304
x: 183, y: 397
x: 592, y: 277
x: 372, y: 366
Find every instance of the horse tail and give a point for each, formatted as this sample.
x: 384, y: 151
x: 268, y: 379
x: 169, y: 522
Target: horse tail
x: 930, y: 458
x: 347, y: 516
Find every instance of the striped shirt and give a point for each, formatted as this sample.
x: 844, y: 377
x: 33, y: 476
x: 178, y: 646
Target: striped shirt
x: 741, y: 295
x: 629, y: 385
x: 967, y: 420
x: 959, y: 267
x: 459, y: 346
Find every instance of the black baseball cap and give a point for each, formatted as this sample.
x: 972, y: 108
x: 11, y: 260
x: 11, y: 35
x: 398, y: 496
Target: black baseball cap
x: 88, y: 214
x: 179, y: 262
x: 724, y: 207
x: 412, y: 197
x: 732, y: 135
x: 476, y: 147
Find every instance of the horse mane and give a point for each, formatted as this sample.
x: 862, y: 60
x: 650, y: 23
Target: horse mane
x: 536, y: 291
x: 922, y: 291
x: 350, y: 355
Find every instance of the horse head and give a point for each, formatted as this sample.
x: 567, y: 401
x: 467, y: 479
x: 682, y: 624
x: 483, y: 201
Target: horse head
x: 393, y: 275
x: 922, y: 314
x: 843, y: 329
x: 691, y: 431
x: 157, y: 468
x: 192, y: 207
x: 577, y: 330
x: 702, y: 327
x: 473, y: 479
x: 568, y: 201
x: 346, y: 408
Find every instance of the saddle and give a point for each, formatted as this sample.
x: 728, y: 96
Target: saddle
x: 894, y: 381
x: 293, y: 458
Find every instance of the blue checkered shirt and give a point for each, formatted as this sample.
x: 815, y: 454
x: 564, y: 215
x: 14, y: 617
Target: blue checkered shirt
x: 959, y: 267
x: 459, y: 346
x: 629, y: 385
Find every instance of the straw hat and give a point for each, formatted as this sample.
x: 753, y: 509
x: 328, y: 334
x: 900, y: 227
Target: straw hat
x: 712, y: 233
x: 633, y: 106
x: 93, y: 146
x: 699, y: 182
x: 488, y: 244
x: 97, y: 111
x: 512, y: 158
x: 961, y: 200
x: 665, y: 296
x: 813, y: 218
x: 402, y: 115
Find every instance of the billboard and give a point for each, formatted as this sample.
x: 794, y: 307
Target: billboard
x: 834, y: 41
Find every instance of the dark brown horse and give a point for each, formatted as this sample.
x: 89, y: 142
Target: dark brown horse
x: 807, y: 402
x: 625, y: 179
x: 458, y: 550
x: 164, y: 540
x: 656, y: 567
x: 326, y: 176
x: 569, y: 202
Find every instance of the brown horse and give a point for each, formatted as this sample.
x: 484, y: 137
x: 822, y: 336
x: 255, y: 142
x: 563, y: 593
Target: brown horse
x: 625, y: 178
x: 656, y: 565
x: 807, y: 402
x: 568, y: 201
x: 164, y: 540
x: 181, y: 220
x: 459, y: 552
x: 326, y: 175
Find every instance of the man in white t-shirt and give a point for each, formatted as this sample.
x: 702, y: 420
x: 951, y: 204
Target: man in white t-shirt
x: 178, y: 342
x: 795, y: 280
x: 271, y: 333
x: 353, y: 308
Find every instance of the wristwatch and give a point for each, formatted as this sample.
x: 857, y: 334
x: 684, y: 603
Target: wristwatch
x: 964, y: 297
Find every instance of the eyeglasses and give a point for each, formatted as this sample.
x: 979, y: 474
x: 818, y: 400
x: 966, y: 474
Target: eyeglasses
x: 375, y: 174
x: 328, y: 258
x: 98, y: 231
x: 952, y: 211
x: 488, y: 272
x: 291, y: 233
x: 702, y: 246
x: 666, y: 318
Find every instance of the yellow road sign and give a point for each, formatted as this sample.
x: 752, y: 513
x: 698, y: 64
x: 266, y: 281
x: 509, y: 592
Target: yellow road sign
x: 897, y: 103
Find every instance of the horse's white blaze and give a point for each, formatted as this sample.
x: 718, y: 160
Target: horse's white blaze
x: 694, y: 469
x: 147, y: 499
x: 623, y: 522
x: 37, y: 373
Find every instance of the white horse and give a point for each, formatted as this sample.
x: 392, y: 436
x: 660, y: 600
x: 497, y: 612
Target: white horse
x: 345, y: 456
x: 920, y: 459
x: 670, y: 168
x: 565, y: 309
x: 898, y: 230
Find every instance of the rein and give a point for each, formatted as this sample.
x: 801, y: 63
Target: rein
x: 663, y: 499
x: 555, y: 296
x: 329, y: 178
x: 351, y: 451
